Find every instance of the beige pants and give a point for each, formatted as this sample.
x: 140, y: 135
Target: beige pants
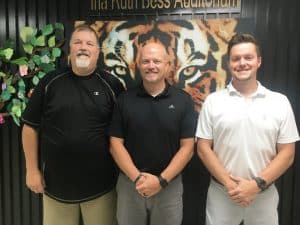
x: 99, y: 211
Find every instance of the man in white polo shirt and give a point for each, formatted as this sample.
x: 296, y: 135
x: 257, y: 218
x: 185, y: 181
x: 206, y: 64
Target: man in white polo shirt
x: 246, y: 138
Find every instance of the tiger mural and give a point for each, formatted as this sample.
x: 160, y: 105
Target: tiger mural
x: 196, y: 48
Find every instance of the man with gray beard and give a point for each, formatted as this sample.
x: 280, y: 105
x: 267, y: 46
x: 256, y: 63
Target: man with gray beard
x: 65, y: 124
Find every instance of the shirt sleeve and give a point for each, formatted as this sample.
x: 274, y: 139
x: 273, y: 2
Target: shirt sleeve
x: 114, y: 82
x: 288, y: 132
x: 34, y: 109
x: 204, y: 124
x: 117, y: 121
x: 188, y: 127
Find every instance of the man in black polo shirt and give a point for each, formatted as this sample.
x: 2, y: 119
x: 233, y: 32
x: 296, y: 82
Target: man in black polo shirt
x: 152, y: 139
x: 67, y: 118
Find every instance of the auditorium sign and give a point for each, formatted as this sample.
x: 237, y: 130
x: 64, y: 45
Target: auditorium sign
x: 148, y: 7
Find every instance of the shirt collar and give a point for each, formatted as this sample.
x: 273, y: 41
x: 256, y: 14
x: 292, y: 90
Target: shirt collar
x: 260, y: 91
x: 143, y: 93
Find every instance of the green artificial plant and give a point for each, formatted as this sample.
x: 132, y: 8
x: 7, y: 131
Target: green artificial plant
x: 18, y: 76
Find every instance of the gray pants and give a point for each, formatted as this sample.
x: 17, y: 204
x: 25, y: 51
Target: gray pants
x: 164, y: 208
x: 221, y: 210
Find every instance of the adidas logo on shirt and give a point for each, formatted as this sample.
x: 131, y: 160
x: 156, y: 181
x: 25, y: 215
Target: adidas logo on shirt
x: 171, y: 106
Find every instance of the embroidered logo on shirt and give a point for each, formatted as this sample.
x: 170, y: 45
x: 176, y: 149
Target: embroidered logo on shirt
x: 171, y: 106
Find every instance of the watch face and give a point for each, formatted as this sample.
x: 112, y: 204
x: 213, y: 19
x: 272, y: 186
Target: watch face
x: 261, y: 183
x: 163, y: 183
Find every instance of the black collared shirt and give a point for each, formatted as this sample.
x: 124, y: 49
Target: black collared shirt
x: 153, y: 126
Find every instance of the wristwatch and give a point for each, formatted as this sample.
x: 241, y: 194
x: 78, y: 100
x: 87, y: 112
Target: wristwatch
x: 261, y: 183
x: 162, y: 181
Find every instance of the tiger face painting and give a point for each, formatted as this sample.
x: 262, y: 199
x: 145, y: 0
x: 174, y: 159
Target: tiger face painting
x: 196, y: 50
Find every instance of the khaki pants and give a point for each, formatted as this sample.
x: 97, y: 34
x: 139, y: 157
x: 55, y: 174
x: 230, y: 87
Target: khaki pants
x: 99, y: 211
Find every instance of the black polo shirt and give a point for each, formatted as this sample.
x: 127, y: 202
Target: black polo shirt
x: 153, y: 126
x: 72, y: 114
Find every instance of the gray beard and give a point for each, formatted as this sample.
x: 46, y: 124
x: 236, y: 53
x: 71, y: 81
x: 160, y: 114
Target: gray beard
x: 82, y: 63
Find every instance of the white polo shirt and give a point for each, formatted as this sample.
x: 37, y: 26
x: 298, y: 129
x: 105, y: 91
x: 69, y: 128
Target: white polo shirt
x: 245, y: 130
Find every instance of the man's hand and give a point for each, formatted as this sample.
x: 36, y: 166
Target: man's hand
x: 245, y: 192
x: 35, y: 181
x: 230, y: 185
x: 148, y: 185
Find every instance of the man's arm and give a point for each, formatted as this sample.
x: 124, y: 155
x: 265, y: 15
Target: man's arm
x: 181, y: 158
x: 234, y: 186
x: 212, y: 163
x: 282, y: 161
x: 247, y: 189
x: 151, y: 185
x: 34, y: 178
x: 122, y: 158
